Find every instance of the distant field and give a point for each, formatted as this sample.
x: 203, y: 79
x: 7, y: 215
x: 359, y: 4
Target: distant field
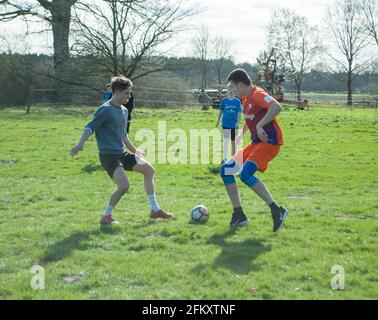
x: 318, y: 99
x: 50, y: 205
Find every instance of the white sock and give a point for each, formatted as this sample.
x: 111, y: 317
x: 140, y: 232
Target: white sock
x: 108, y: 211
x: 153, y: 203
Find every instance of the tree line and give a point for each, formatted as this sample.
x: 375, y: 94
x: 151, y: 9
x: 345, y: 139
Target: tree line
x: 20, y: 71
x: 93, y: 40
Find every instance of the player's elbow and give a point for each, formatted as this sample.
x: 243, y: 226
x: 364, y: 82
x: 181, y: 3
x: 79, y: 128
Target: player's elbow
x: 88, y: 130
x: 277, y: 107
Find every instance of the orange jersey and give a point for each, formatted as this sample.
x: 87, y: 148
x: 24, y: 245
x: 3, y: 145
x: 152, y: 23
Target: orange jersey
x: 255, y: 106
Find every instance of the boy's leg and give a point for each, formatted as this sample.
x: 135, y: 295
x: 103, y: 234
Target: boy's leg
x: 279, y: 213
x: 258, y: 160
x: 233, y: 145
x: 228, y: 170
x: 262, y: 191
x: 226, y: 141
x: 238, y: 218
x: 247, y: 176
x: 148, y: 174
x: 116, y: 172
x: 233, y: 195
x: 145, y: 168
x: 123, y: 185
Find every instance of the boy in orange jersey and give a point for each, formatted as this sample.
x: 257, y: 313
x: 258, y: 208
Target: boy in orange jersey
x: 260, y: 110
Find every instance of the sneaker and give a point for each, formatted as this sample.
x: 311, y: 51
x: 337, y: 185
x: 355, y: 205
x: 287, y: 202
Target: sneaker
x: 106, y: 220
x: 238, y: 220
x: 279, y: 219
x: 160, y: 214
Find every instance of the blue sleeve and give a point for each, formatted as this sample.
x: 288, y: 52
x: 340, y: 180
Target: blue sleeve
x: 106, y: 96
x: 99, y: 118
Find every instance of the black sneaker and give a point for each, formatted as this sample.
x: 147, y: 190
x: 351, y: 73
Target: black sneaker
x: 238, y: 220
x: 279, y: 218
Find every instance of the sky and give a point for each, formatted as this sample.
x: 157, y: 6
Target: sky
x: 243, y: 21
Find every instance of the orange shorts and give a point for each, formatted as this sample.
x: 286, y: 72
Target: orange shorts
x: 260, y: 154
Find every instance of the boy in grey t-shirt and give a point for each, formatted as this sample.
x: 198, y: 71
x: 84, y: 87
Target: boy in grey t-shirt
x: 110, y: 126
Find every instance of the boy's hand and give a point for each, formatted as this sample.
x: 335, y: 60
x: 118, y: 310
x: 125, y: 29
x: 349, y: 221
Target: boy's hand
x: 238, y: 138
x: 76, y: 149
x: 139, y: 153
x: 262, y: 134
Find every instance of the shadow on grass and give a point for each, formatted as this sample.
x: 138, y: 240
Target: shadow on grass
x: 236, y: 256
x: 142, y: 225
x: 91, y: 168
x: 63, y: 248
x: 214, y: 169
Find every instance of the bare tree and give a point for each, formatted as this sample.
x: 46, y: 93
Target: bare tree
x: 296, y: 44
x: 222, y: 51
x: 125, y: 36
x: 57, y: 13
x: 201, y: 50
x: 369, y: 18
x: 348, y: 31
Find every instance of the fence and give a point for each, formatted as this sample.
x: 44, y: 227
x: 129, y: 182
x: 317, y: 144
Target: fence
x: 171, y: 98
x: 332, y: 100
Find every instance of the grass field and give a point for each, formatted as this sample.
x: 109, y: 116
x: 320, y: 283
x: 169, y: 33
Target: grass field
x: 50, y: 205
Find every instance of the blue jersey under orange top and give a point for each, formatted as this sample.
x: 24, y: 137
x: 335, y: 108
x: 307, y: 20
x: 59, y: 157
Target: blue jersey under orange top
x: 255, y: 106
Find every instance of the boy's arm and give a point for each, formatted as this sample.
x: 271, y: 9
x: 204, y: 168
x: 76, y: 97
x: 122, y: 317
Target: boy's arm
x: 219, y: 117
x: 98, y: 119
x: 79, y: 147
x: 129, y: 145
x: 273, y: 111
x: 245, y: 128
x: 240, y: 136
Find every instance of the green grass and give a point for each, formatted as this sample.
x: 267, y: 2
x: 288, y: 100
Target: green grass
x: 50, y: 205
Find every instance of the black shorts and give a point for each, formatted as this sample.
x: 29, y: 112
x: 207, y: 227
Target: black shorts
x: 233, y: 132
x: 128, y: 126
x: 110, y: 162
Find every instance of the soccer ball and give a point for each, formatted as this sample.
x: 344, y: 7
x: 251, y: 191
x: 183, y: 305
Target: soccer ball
x: 200, y: 214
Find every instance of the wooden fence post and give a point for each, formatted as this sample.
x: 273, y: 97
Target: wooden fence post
x: 30, y: 98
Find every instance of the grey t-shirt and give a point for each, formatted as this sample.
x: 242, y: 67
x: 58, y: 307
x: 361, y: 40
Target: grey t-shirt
x: 110, y: 124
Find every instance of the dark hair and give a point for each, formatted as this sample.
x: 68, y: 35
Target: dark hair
x: 120, y: 83
x: 239, y: 75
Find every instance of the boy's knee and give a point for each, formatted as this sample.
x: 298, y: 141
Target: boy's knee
x: 247, y: 174
x: 227, y: 172
x: 124, y: 188
x: 150, y: 171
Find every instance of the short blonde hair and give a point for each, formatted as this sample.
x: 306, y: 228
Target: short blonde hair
x: 120, y: 83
